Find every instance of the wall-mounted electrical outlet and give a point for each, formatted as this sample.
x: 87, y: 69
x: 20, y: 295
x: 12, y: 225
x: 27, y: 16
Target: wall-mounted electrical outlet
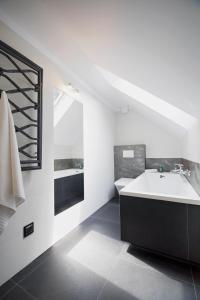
x: 28, y: 229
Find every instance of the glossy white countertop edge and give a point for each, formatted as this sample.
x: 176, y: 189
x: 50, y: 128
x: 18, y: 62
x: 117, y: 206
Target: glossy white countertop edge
x: 67, y: 172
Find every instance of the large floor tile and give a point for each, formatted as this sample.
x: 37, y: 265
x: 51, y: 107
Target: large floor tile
x: 115, y: 199
x: 93, y: 235
x: 32, y: 266
x: 68, y: 278
x: 109, y: 212
x: 18, y: 294
x: 113, y: 292
x: 144, y: 284
x: 80, y: 262
x: 171, y: 268
x: 6, y: 287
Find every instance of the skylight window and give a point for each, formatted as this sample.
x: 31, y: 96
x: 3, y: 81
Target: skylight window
x: 151, y: 101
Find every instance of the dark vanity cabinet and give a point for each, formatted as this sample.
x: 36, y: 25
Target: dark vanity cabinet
x: 194, y: 232
x: 169, y: 228
x: 68, y: 191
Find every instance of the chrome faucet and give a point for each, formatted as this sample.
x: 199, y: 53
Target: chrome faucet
x: 186, y: 172
x: 179, y: 167
x: 179, y: 170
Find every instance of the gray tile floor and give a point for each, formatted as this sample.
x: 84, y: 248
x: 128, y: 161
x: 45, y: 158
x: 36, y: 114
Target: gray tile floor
x: 92, y: 263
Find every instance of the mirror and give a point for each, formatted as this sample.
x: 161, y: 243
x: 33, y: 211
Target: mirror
x: 68, y: 152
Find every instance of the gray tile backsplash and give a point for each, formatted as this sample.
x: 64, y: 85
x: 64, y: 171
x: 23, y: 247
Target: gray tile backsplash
x: 166, y: 163
x: 70, y: 163
x: 194, y: 179
x: 62, y: 164
x: 129, y: 167
x: 77, y: 163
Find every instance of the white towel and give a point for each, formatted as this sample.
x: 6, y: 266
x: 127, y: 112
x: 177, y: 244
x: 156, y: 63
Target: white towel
x: 11, y: 183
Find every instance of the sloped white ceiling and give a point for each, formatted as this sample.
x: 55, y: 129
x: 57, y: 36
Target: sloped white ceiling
x: 154, y: 45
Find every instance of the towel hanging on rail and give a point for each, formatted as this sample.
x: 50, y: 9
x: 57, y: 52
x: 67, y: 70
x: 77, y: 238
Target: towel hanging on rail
x: 11, y: 182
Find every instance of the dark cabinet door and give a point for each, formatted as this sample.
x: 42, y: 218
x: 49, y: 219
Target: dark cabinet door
x: 194, y: 232
x: 154, y: 224
x: 58, y: 191
x: 68, y: 191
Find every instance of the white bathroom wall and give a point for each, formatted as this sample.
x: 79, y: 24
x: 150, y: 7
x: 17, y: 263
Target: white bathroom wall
x: 134, y: 128
x: 191, y: 144
x: 62, y: 152
x: 66, y: 152
x: 16, y: 252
